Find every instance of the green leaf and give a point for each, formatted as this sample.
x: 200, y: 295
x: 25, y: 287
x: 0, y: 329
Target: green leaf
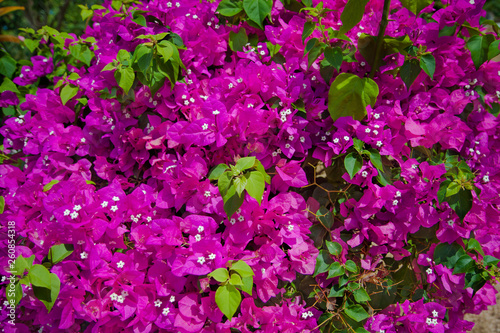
x: 166, y: 50
x: 260, y: 168
x: 453, y: 188
x: 123, y: 55
x: 375, y: 158
x: 351, y: 266
x: 334, y: 248
x: 490, y: 261
x: 353, y: 163
x: 461, y: 202
x: 255, y: 185
x: 247, y: 284
x: 314, y: 54
x: 217, y: 171
x: 356, y: 312
x: 360, y: 295
x: 448, y: 30
x: 325, y: 217
x: 7, y: 84
x: 415, y: 6
x: 239, y: 184
x: 228, y: 299
x: 58, y: 253
x: 349, y: 95
x: 232, y: 201
x: 448, y: 254
x: 14, y: 296
x: 31, y: 44
x: 479, y: 48
x: 352, y: 14
x: 89, y: 182
x: 45, y: 285
x: 220, y: 274
x: 7, y: 66
x: 493, y: 50
x: 323, y: 261
x: 310, y: 44
x: 428, y: 64
x: 109, y: 67
x: 125, y: 78
x: 138, y: 17
x: 335, y: 269
x: 245, y: 163
x: 22, y: 264
x: 224, y: 182
x: 443, y: 187
x: 242, y: 268
x: 409, y: 71
x: 361, y: 330
x: 230, y: 7
x: 48, y: 186
x: 68, y: 92
x: 336, y: 291
x: 143, y: 55
x: 463, y: 264
x: 2, y: 204
x: 257, y: 10
x: 235, y: 280
x: 334, y: 56
x: 238, y: 40
x: 308, y: 30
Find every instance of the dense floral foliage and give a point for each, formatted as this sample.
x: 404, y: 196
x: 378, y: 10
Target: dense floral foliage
x: 387, y: 222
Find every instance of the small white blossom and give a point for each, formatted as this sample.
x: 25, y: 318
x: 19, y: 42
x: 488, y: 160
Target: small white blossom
x: 113, y: 296
x: 114, y: 208
x: 158, y: 303
x: 211, y: 256
x: 177, y: 4
x: 429, y: 271
x: 82, y: 140
x: 435, y: 321
x: 414, y: 166
x: 172, y: 299
x: 375, y: 132
x: 336, y: 140
x: 84, y: 255
x: 379, y: 144
x: 364, y: 174
x: 186, y: 103
x: 429, y: 321
x: 201, y: 228
x: 120, y: 264
x: 435, y: 313
x: 239, y: 80
x: 74, y: 215
x: 192, y: 100
x: 124, y: 293
x: 302, y: 139
x: 486, y: 178
x: 262, y: 53
x: 323, y: 138
x: 104, y: 204
x: 120, y: 299
x: 204, y: 127
x: 346, y: 138
x: 230, y: 86
x: 367, y: 130
x: 115, y: 198
x: 208, y: 194
x: 451, y: 222
x: 216, y: 112
x: 197, y: 237
x: 77, y: 207
x: 287, y: 146
x: 395, y: 202
x: 232, y: 221
x: 305, y: 315
x: 398, y: 194
x: 241, y: 218
x: 291, y: 137
x: 201, y: 260
x: 67, y: 212
x: 290, y: 227
x: 166, y: 311
x: 376, y: 115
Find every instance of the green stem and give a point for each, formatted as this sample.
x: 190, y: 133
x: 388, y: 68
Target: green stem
x: 380, y: 37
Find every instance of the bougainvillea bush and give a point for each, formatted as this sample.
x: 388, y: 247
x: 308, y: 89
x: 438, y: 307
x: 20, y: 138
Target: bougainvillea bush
x: 253, y: 166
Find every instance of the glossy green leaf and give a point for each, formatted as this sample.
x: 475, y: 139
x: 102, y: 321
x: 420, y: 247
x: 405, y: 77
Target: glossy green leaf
x: 461, y: 202
x: 349, y: 95
x: 356, y: 312
x: 14, y: 295
x: 308, y: 30
x: 490, y: 261
x: 493, y: 49
x: 352, y: 14
x: 360, y: 295
x: 2, y: 204
x: 428, y: 64
x: 474, y: 245
x: 123, y: 55
x: 242, y: 268
x: 68, y: 92
x: 228, y: 299
x: 351, y: 266
x: 220, y: 274
x: 448, y: 254
x: 260, y: 168
x: 238, y: 40
x: 125, y: 78
x: 409, y: 71
x: 217, y: 171
x: 323, y: 261
x: 247, y: 284
x: 143, y: 55
x: 463, y: 264
x: 336, y: 291
x: 48, y: 186
x: 22, y: 264
x: 31, y: 44
x: 375, y: 158
x: 353, y: 163
x: 334, y: 56
x: 479, y: 48
x: 313, y: 55
x: 257, y: 10
x: 325, y: 217
x: 166, y: 49
x: 7, y: 65
x: 448, y: 30
x: 138, y: 17
x: 235, y: 280
x: 45, y: 285
x: 255, y: 185
x: 443, y: 187
x: 245, y: 163
x: 335, y: 269
x: 224, y: 182
x: 109, y: 67
x: 239, y: 184
x: 415, y: 6
x: 334, y: 248
x: 232, y: 201
x: 230, y: 7
x: 58, y: 253
x: 453, y: 188
x: 311, y: 43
